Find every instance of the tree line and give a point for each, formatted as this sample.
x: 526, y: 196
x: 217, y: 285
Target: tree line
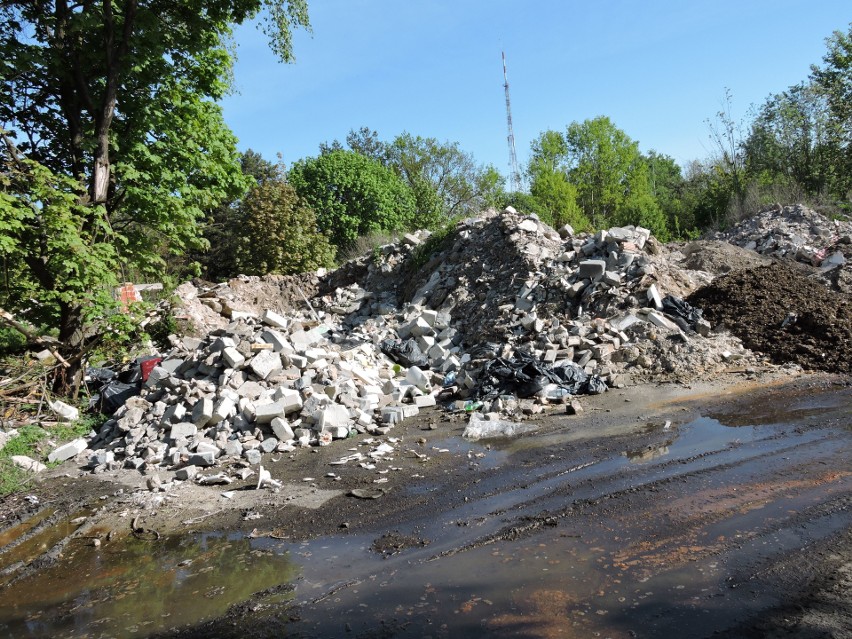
x: 116, y: 163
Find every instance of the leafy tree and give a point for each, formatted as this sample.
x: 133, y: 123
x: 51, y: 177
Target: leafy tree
x: 667, y: 187
x: 459, y: 186
x: 367, y: 142
x: 556, y: 197
x: 445, y: 181
x: 276, y: 232
x: 114, y: 104
x: 223, y: 227
x: 611, y: 176
x: 834, y: 80
x: 352, y: 195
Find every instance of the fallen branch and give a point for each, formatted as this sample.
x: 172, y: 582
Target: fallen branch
x: 8, y: 319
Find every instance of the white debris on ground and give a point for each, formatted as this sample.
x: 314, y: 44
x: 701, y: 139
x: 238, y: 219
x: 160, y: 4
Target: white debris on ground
x: 289, y: 363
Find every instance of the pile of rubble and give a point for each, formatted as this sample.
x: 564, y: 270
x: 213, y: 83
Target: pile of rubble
x: 263, y: 384
x: 797, y: 233
x: 505, y: 308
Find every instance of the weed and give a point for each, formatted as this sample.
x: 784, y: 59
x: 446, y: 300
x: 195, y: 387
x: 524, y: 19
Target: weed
x: 12, y: 478
x: 29, y: 441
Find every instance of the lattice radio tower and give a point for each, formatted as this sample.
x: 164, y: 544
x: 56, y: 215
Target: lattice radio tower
x: 514, y: 173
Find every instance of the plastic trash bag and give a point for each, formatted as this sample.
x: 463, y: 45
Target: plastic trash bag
x: 682, y: 310
x: 404, y: 352
x: 524, y: 376
x: 114, y: 394
x: 479, y: 428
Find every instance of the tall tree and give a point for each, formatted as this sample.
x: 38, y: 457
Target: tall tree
x: 114, y: 103
x: 611, y: 176
x: 549, y: 184
x: 275, y: 231
x: 352, y: 195
x: 834, y: 79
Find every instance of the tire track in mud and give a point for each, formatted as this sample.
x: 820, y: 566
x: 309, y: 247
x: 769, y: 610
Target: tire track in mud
x: 542, y: 503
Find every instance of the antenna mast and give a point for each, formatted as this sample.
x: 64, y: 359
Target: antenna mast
x: 514, y: 174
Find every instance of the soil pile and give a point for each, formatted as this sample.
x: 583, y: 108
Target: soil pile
x: 777, y: 310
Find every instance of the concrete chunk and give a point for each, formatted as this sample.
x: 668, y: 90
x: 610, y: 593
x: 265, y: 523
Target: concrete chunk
x: 67, y: 451
x: 272, y: 318
x: 281, y: 429
x: 592, y: 269
x: 265, y: 413
x: 233, y: 357
x: 332, y: 416
x: 205, y: 458
x: 265, y: 363
x: 183, y: 429
x: 224, y: 409
x: 28, y: 464
x: 289, y: 398
x: 202, y: 412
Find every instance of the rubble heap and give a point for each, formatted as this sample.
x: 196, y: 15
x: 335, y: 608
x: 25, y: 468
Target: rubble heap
x: 261, y: 385
x: 776, y: 309
x: 383, y: 336
x: 797, y: 233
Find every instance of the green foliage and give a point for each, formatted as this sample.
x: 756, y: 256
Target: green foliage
x: 593, y: 176
x: 11, y: 341
x: 29, y: 441
x: 607, y: 168
x: 64, y: 251
x: 160, y: 330
x: 25, y: 442
x: 276, y: 232
x: 352, y: 195
x: 549, y: 185
x: 668, y: 187
x: 118, y: 148
x: 438, y: 241
x: 444, y: 180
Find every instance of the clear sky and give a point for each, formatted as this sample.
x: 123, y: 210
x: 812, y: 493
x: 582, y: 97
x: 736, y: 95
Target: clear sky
x: 657, y: 68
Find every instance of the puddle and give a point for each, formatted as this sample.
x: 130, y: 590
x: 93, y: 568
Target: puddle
x: 14, y: 533
x: 793, y: 408
x: 29, y: 550
x: 701, y: 435
x: 645, y: 544
x: 133, y: 588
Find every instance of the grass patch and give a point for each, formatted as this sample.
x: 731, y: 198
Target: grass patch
x: 30, y: 440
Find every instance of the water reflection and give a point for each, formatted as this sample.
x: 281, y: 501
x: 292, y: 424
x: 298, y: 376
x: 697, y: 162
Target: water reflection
x: 134, y: 588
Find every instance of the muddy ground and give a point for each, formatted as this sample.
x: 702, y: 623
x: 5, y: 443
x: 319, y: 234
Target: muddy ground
x: 435, y: 496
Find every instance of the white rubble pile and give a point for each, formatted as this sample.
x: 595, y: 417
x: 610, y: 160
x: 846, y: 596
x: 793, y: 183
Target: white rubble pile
x: 269, y: 380
x: 795, y: 233
x: 260, y: 386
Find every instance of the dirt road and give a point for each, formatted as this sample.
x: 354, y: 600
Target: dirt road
x: 672, y: 511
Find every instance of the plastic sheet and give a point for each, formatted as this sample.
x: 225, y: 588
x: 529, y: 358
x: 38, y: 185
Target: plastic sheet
x: 682, y: 310
x: 524, y: 376
x: 405, y: 352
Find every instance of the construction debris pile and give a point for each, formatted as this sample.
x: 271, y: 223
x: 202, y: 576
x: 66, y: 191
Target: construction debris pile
x: 797, y: 233
x: 504, y: 316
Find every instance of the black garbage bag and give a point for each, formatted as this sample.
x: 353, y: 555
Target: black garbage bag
x: 404, y: 352
x: 111, y: 389
x: 681, y: 309
x: 524, y: 376
x: 114, y: 394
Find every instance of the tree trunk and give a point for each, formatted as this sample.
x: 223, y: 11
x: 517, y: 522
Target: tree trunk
x: 67, y: 379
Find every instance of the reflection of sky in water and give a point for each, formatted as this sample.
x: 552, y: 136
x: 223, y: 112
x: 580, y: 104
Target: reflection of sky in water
x: 134, y: 588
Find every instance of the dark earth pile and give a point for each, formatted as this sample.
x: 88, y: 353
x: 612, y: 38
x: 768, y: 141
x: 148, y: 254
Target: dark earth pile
x: 777, y: 310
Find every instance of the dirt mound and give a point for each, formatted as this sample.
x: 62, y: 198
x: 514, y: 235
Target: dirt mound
x: 777, y: 310
x: 717, y: 257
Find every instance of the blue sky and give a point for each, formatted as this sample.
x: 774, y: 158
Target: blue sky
x: 658, y: 69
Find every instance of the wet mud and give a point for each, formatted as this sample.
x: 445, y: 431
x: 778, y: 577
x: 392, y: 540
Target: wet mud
x: 716, y: 510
